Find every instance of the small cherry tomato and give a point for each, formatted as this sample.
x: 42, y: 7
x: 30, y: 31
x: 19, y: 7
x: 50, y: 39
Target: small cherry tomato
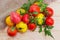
x: 11, y: 31
x: 31, y: 26
x: 21, y: 11
x: 49, y: 12
x: 34, y: 8
x: 8, y: 21
x: 49, y: 21
x: 25, y: 18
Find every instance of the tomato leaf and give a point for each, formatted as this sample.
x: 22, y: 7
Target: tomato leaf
x: 43, y: 7
x: 40, y: 1
x: 32, y: 1
x: 36, y: 22
x: 48, y: 32
x: 32, y: 20
x: 40, y: 26
x: 27, y: 5
x: 49, y: 27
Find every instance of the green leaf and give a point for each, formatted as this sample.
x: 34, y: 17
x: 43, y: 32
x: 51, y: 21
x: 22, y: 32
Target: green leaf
x: 32, y: 20
x: 32, y: 1
x: 25, y: 6
x: 36, y: 21
x: 40, y: 1
x: 40, y: 26
x: 48, y: 32
x: 43, y: 21
x: 45, y: 31
x: 43, y: 7
x: 35, y: 12
x: 49, y: 27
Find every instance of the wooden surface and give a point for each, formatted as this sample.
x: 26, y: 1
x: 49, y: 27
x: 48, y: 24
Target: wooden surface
x: 6, y: 6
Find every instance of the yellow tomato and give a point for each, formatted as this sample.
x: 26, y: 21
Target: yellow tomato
x: 40, y: 15
x: 40, y: 21
x: 21, y: 27
x: 9, y: 22
x: 40, y: 18
x: 21, y: 11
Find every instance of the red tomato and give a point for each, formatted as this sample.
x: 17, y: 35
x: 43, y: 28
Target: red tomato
x: 31, y: 26
x: 49, y: 21
x: 12, y: 31
x: 15, y: 17
x: 50, y: 11
x: 34, y: 8
x: 25, y: 18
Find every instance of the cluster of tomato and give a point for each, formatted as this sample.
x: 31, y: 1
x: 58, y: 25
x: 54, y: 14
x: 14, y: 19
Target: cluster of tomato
x: 22, y: 20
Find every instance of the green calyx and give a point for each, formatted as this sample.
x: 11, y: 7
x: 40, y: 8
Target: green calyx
x: 35, y: 12
x: 12, y: 29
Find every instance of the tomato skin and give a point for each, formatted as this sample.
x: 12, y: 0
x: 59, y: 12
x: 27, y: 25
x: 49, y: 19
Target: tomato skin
x: 49, y: 21
x: 15, y: 17
x: 9, y: 22
x: 11, y: 32
x: 50, y: 12
x: 21, y: 27
x: 31, y: 26
x: 25, y: 18
x: 34, y: 8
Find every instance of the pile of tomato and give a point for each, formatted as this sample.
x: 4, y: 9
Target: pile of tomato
x: 30, y: 16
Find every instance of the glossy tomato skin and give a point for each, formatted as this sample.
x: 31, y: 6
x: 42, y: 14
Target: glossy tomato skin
x: 31, y: 26
x: 15, y: 17
x: 25, y: 18
x: 11, y: 31
x: 50, y: 11
x: 49, y: 21
x: 34, y: 8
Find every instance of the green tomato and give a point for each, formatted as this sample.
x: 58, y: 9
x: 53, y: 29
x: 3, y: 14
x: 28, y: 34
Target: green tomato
x: 21, y: 11
x: 40, y: 21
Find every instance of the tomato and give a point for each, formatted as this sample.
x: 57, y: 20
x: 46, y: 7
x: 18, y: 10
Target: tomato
x: 25, y: 18
x: 8, y: 21
x: 49, y: 11
x: 15, y: 17
x: 34, y: 8
x: 11, y: 31
x: 21, y: 27
x: 49, y: 21
x: 40, y: 15
x: 31, y: 26
x: 21, y: 11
